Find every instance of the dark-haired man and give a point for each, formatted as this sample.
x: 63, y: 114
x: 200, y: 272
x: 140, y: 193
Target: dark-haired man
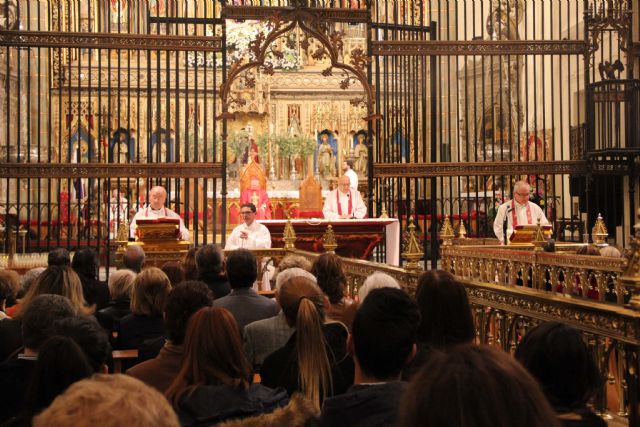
x: 243, y: 302
x: 250, y: 234
x: 184, y: 300
x: 209, y: 260
x: 382, y: 341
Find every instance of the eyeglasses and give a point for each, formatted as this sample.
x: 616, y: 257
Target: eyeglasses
x: 522, y: 194
x: 246, y: 212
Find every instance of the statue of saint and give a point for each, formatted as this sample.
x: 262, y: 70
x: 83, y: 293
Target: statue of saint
x: 361, y: 154
x: 326, y: 157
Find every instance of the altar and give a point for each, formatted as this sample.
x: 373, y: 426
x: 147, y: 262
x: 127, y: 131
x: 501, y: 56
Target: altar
x: 355, y: 238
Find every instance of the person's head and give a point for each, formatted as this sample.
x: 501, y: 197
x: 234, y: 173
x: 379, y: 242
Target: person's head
x: 545, y: 351
x: 12, y: 281
x: 610, y: 251
x: 40, y: 316
x: 445, y: 311
x: 90, y: 336
x: 302, y: 304
x: 383, y: 335
x: 209, y: 260
x: 108, y: 401
x: 150, y: 290
x: 28, y: 279
x: 344, y: 184
x: 184, y: 299
x: 213, y: 354
x: 330, y: 275
x: 549, y: 245
x: 242, y: 268
x: 347, y: 165
x: 376, y: 280
x: 293, y: 260
x: 174, y: 272
x: 287, y: 274
x: 61, y: 362
x: 133, y: 258
x: 121, y: 284
x: 59, y: 256
x: 58, y: 280
x: 588, y: 250
x: 189, y: 264
x: 85, y: 263
x: 521, y: 192
x: 248, y: 213
x: 157, y: 197
x: 474, y: 386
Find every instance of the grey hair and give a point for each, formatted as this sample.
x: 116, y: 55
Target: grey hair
x: 520, y: 184
x: 376, y: 281
x: 289, y: 273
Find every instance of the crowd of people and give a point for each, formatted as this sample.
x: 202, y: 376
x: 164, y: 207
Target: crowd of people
x: 213, y: 351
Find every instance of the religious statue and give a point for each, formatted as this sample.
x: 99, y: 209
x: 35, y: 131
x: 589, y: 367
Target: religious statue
x: 259, y: 197
x: 361, y: 154
x: 326, y: 157
x: 251, y: 152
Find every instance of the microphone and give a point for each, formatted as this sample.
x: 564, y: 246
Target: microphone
x: 349, y: 195
x: 505, y: 224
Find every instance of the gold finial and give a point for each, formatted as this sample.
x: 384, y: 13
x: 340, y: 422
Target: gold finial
x: 413, y: 253
x: 329, y: 240
x: 462, y: 230
x: 538, y: 236
x: 289, y: 236
x: 630, y: 279
x: 384, y: 213
x: 446, y: 232
x: 599, y: 232
x: 123, y: 231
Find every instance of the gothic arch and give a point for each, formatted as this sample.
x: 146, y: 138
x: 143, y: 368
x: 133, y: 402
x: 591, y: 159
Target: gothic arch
x: 310, y: 23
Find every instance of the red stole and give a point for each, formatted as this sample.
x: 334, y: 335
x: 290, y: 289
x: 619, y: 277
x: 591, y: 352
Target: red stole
x: 514, y: 216
x: 340, y: 207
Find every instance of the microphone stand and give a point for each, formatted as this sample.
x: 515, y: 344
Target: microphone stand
x: 505, y: 225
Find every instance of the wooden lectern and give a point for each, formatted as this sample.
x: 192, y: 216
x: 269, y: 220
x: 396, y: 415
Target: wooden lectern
x: 160, y: 239
x: 525, y: 234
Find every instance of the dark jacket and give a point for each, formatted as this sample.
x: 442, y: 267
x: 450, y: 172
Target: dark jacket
x: 10, y: 337
x: 109, y: 317
x: 211, y: 404
x: 95, y: 292
x: 281, y: 369
x: 580, y: 418
x: 247, y: 306
x: 15, y: 376
x: 218, y: 284
x: 374, y: 405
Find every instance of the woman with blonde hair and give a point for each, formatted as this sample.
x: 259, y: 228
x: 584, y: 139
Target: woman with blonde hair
x: 315, y: 360
x: 213, y: 383
x: 149, y: 296
x: 120, y: 287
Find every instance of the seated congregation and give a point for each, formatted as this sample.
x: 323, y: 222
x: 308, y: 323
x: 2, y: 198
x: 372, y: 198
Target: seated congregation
x: 210, y: 350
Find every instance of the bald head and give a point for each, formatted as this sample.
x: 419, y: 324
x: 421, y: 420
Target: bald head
x: 157, y: 197
x: 343, y: 184
x: 133, y: 258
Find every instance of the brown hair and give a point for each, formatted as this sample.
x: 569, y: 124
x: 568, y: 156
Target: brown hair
x: 174, y: 272
x: 213, y: 354
x: 150, y: 290
x: 301, y: 301
x: 475, y: 386
x: 58, y: 280
x: 109, y: 401
x: 331, y: 278
x: 189, y: 265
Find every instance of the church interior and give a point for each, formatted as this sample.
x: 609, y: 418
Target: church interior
x: 439, y: 107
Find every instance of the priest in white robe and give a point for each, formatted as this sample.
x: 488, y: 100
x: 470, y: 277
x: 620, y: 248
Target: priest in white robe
x: 157, y: 209
x: 250, y: 234
x: 517, y: 211
x: 343, y: 202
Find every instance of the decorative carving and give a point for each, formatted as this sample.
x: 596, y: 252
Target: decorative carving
x: 462, y: 231
x: 329, y: 240
x: 102, y: 170
x: 13, y: 38
x: 289, y: 236
x: 446, y: 233
x: 420, y: 170
x: 478, y: 47
x: 260, y: 13
x: 412, y: 253
x: 631, y: 277
x: 599, y: 232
